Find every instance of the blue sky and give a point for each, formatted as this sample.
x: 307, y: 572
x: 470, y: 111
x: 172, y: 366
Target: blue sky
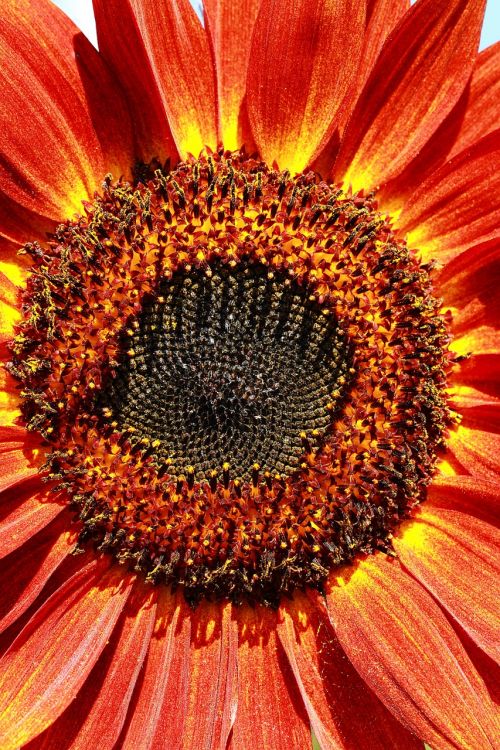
x: 81, y: 13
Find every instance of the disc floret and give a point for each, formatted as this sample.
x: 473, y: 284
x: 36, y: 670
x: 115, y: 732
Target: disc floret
x: 224, y: 295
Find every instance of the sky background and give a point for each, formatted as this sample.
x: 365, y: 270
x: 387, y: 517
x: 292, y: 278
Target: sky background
x: 81, y: 12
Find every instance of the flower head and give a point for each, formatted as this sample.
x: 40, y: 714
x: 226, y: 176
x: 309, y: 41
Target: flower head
x: 249, y: 361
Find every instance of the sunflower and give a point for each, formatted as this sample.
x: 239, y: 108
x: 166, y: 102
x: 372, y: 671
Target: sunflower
x: 249, y: 361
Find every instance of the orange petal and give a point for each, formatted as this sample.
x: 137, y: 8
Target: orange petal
x: 28, y: 568
x: 158, y: 709
x: 62, y: 127
x: 231, y: 25
x: 180, y: 55
x: 455, y: 556
x: 478, y: 451
x: 50, y: 660
x: 343, y: 711
x: 418, y: 77
x: 303, y: 60
x: 457, y: 206
x: 475, y: 115
x: 213, y: 679
x: 121, y: 45
x: 95, y: 718
x: 271, y: 713
x: 404, y: 648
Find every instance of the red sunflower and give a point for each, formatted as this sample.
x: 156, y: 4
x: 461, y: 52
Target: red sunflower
x: 250, y: 424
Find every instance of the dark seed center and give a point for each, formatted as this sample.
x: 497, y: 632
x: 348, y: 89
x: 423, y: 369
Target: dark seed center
x: 229, y: 365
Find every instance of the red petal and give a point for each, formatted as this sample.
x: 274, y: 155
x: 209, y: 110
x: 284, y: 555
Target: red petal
x: 419, y: 76
x: 25, y: 511
x: 52, y: 114
x: 29, y: 568
x: 271, y: 713
x: 457, y: 206
x: 483, y: 111
x: 477, y: 409
x: 158, y: 709
x: 477, y: 451
x: 468, y: 284
x: 343, y: 711
x: 467, y: 495
x: 13, y: 437
x: 231, y: 24
x: 15, y: 467
x: 18, y: 226
x: 482, y: 371
x: 94, y: 719
x: 181, y: 58
x: 486, y: 667
x: 121, y: 45
x: 455, y: 556
x: 303, y: 60
x: 382, y: 17
x: 475, y: 115
x: 50, y: 660
x: 213, y: 679
x: 402, y: 645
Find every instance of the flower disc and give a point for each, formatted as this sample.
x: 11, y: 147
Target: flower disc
x: 240, y: 376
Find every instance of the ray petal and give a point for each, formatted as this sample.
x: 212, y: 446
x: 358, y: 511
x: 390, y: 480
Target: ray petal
x: 396, y: 636
x: 417, y: 79
x: 62, y: 118
x: 48, y: 663
x: 270, y: 712
x: 455, y: 556
x: 158, y: 710
x: 344, y: 713
x: 231, y: 25
x: 458, y: 206
x: 296, y: 47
